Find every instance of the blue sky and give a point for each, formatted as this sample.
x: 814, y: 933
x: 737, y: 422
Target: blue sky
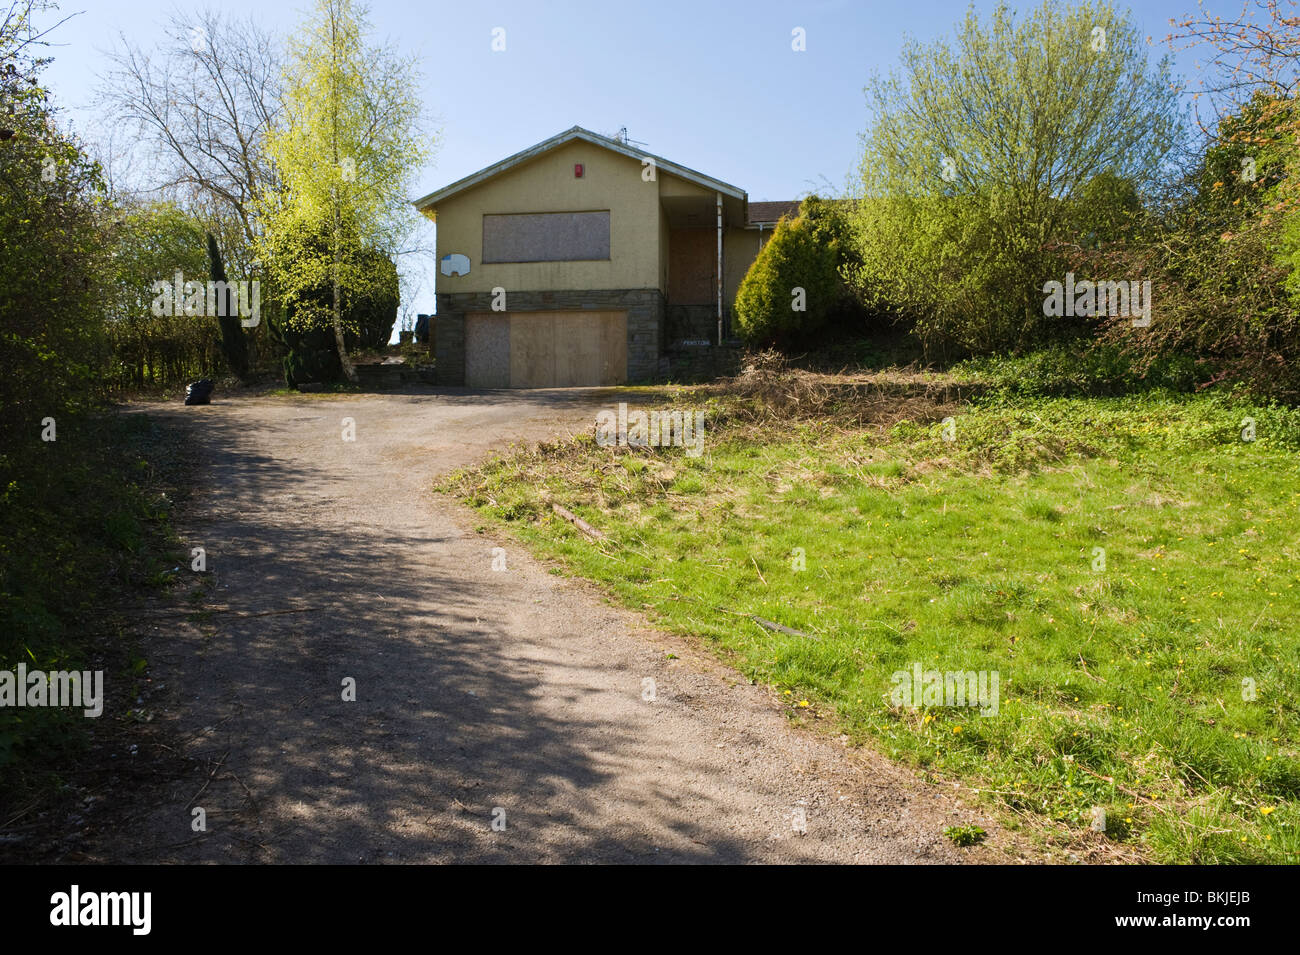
x: 715, y: 86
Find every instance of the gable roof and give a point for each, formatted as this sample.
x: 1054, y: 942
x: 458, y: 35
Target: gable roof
x: 769, y: 213
x: 585, y: 135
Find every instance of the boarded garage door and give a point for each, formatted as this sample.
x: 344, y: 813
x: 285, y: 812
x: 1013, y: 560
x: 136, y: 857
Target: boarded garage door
x: 545, y: 349
x: 487, y: 350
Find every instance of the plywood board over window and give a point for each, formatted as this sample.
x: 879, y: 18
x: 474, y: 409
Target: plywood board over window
x: 692, y: 266
x: 546, y: 237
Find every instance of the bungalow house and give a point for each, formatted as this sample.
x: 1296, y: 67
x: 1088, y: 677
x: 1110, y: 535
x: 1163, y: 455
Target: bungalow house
x: 585, y: 261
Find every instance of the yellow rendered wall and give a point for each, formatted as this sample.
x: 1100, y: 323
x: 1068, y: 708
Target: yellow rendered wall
x: 547, y: 184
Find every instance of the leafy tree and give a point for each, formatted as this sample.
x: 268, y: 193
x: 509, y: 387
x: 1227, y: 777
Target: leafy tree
x: 187, y: 119
x: 345, y: 153
x: 978, y: 148
x: 1247, y: 200
x: 151, y: 241
x: 1220, y: 267
x: 53, y: 253
x: 1106, y: 208
x: 1245, y: 162
x: 366, y: 309
x: 233, y: 344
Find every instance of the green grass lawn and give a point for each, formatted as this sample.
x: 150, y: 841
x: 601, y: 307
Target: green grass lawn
x: 1127, y: 566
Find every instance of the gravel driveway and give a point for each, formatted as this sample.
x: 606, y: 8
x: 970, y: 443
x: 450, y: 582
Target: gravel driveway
x: 499, y: 715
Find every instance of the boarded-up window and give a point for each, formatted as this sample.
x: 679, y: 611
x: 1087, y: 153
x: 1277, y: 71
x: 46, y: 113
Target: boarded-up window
x: 546, y: 237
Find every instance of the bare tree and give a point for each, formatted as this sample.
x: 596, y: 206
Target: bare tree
x: 202, y: 104
x: 1255, y: 51
x: 20, y: 38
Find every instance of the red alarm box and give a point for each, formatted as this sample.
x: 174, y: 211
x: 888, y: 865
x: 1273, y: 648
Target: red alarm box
x: 577, y: 170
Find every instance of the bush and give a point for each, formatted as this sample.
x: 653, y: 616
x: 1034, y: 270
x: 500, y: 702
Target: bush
x: 162, y: 352
x: 309, y: 355
x: 791, y: 288
x: 303, y: 333
x: 151, y: 242
x: 53, y: 267
x: 951, y: 269
x: 369, y: 315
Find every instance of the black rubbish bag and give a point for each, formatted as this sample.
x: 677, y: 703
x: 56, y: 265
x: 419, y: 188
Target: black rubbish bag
x: 199, y: 392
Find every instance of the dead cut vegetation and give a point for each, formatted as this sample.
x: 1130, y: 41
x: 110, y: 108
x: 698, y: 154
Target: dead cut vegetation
x: 769, y: 388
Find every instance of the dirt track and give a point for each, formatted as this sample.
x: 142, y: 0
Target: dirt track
x: 475, y: 689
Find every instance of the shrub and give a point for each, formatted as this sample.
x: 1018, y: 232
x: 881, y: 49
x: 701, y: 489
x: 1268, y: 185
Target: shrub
x: 1081, y: 369
x: 151, y: 242
x: 308, y: 354
x: 1222, y: 299
x: 1221, y: 266
x: 791, y: 288
x: 53, y: 264
x: 369, y: 314
x: 304, y: 331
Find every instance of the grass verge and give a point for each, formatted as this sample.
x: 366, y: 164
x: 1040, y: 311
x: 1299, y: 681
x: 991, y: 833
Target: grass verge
x: 1127, y: 566
x: 84, y: 529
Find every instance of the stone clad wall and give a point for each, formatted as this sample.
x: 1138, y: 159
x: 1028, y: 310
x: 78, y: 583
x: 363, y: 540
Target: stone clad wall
x: 693, y: 364
x: 691, y: 323
x: 645, y: 324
